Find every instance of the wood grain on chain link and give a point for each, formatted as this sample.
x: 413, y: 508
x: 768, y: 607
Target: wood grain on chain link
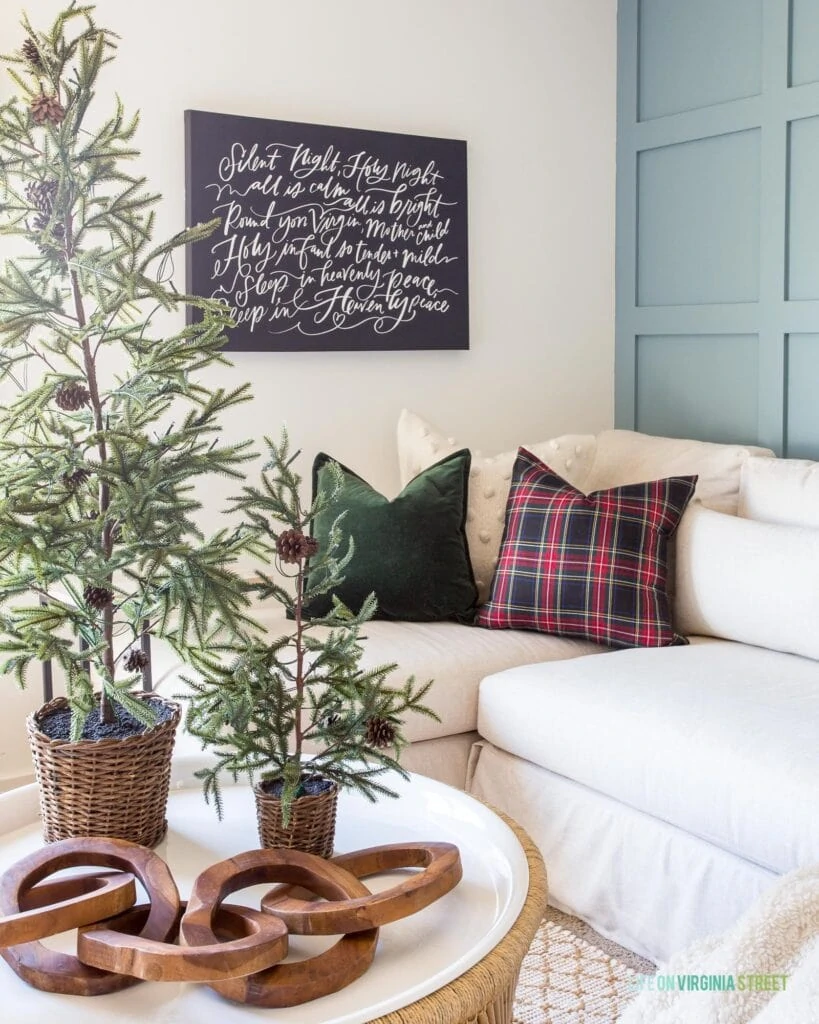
x: 442, y: 872
x: 51, y: 971
x: 234, y: 949
x: 59, y: 906
x: 284, y: 984
x: 260, y: 941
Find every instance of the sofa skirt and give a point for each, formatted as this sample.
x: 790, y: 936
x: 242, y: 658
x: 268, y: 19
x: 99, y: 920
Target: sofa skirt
x: 636, y: 879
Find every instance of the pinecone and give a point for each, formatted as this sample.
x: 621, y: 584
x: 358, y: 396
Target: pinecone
x: 41, y: 194
x: 71, y: 396
x: 293, y: 546
x: 380, y: 732
x: 47, y: 108
x: 97, y: 597
x: 41, y: 221
x: 76, y: 478
x: 136, y: 660
x: 32, y: 55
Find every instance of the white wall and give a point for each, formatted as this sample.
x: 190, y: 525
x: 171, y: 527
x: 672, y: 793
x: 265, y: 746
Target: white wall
x: 530, y: 84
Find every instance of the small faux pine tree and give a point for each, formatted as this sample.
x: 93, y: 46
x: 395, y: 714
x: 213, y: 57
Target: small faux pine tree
x: 104, y: 426
x: 299, y: 708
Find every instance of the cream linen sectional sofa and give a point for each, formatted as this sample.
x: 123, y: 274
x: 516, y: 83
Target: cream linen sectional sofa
x: 666, y: 787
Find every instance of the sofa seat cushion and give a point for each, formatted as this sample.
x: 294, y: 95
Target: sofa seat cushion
x: 717, y: 738
x: 454, y: 656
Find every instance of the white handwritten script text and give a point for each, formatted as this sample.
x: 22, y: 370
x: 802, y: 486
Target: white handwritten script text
x: 319, y: 240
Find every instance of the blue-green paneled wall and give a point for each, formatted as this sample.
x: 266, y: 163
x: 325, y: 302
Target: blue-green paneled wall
x: 718, y: 221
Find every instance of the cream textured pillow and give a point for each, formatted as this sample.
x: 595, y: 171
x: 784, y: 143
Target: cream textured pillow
x: 748, y: 581
x: 420, y: 445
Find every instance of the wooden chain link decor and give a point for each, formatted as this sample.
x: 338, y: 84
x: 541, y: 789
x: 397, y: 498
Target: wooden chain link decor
x: 235, y: 950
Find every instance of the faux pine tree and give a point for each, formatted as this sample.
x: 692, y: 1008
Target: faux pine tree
x: 299, y: 710
x: 104, y: 426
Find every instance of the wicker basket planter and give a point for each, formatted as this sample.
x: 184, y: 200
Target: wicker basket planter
x: 111, y: 787
x: 312, y: 827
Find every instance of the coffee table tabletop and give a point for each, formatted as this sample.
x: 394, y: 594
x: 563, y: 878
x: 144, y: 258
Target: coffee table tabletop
x: 447, y: 950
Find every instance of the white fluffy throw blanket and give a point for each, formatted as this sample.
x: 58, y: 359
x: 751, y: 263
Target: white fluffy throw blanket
x: 764, y: 970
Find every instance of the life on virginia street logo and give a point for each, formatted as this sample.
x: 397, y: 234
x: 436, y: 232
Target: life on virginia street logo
x: 709, y: 982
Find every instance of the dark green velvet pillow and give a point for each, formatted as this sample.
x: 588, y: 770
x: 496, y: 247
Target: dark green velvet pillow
x: 412, y: 551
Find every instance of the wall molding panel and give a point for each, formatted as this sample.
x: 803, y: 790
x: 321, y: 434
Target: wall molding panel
x: 717, y: 257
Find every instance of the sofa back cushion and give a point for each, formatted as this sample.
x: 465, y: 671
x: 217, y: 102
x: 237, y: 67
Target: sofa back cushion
x: 748, y: 581
x: 780, y: 491
x: 627, y: 457
x: 420, y: 445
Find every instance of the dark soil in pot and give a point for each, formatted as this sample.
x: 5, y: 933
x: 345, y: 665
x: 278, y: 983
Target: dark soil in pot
x: 310, y: 785
x: 56, y: 724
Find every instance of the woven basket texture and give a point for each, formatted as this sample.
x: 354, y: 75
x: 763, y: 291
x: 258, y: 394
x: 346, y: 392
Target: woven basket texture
x: 112, y: 787
x: 312, y: 827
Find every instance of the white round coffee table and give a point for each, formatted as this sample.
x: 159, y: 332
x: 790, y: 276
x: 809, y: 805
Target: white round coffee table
x: 450, y: 962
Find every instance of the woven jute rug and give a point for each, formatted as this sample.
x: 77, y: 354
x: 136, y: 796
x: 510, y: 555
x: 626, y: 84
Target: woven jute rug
x: 572, y: 975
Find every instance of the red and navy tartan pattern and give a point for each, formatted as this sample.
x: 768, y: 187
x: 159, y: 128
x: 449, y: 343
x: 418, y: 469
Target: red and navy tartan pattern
x: 592, y: 566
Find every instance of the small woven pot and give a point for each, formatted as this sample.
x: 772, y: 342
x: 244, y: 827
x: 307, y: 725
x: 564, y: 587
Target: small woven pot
x: 312, y: 827
x: 114, y: 787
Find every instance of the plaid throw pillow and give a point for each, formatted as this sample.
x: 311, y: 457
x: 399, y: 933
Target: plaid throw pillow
x: 591, y: 566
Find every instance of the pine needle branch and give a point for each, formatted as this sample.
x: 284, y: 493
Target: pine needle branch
x: 98, y: 527
x: 292, y: 707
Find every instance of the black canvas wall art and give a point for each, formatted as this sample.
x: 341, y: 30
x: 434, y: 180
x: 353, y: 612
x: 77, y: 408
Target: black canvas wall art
x: 330, y: 238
